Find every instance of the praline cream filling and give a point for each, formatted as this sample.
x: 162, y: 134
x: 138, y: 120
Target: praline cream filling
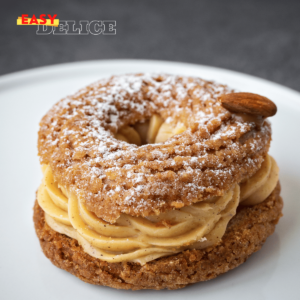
x: 138, y: 239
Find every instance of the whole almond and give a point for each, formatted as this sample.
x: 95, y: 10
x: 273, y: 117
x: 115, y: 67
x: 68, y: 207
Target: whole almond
x: 248, y: 103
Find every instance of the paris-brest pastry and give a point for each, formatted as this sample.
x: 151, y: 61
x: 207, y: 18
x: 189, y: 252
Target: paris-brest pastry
x: 154, y: 181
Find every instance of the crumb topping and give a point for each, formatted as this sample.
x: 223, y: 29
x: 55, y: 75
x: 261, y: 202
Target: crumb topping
x: 111, y: 176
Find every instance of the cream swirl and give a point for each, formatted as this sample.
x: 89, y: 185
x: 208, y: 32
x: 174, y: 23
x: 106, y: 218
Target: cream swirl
x: 136, y: 239
x: 140, y: 239
x: 258, y: 187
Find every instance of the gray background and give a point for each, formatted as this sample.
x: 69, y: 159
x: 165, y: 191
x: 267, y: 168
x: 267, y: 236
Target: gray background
x: 261, y: 38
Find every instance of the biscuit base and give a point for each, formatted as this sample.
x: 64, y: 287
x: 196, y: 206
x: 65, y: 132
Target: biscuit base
x: 245, y: 234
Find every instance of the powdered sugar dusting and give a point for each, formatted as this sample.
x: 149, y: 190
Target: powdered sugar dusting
x: 112, y: 176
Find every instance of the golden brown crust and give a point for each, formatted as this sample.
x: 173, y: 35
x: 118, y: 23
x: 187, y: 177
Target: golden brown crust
x: 76, y: 138
x: 245, y: 234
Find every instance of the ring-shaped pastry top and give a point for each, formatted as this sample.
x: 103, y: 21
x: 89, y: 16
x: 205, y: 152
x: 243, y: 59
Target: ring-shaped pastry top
x: 81, y: 139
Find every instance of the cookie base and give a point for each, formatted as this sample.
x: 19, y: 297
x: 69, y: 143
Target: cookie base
x: 245, y: 234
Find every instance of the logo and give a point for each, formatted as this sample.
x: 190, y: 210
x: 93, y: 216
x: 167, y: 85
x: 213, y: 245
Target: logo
x: 68, y: 27
x: 24, y: 20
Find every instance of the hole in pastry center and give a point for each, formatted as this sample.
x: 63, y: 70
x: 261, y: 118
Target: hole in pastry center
x: 152, y: 131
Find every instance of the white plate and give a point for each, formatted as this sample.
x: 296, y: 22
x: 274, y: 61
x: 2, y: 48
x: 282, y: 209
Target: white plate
x: 25, y: 273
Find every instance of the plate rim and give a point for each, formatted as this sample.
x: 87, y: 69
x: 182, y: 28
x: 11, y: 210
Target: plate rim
x: 48, y: 70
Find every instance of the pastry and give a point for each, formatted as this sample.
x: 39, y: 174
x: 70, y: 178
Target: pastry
x: 155, y: 181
